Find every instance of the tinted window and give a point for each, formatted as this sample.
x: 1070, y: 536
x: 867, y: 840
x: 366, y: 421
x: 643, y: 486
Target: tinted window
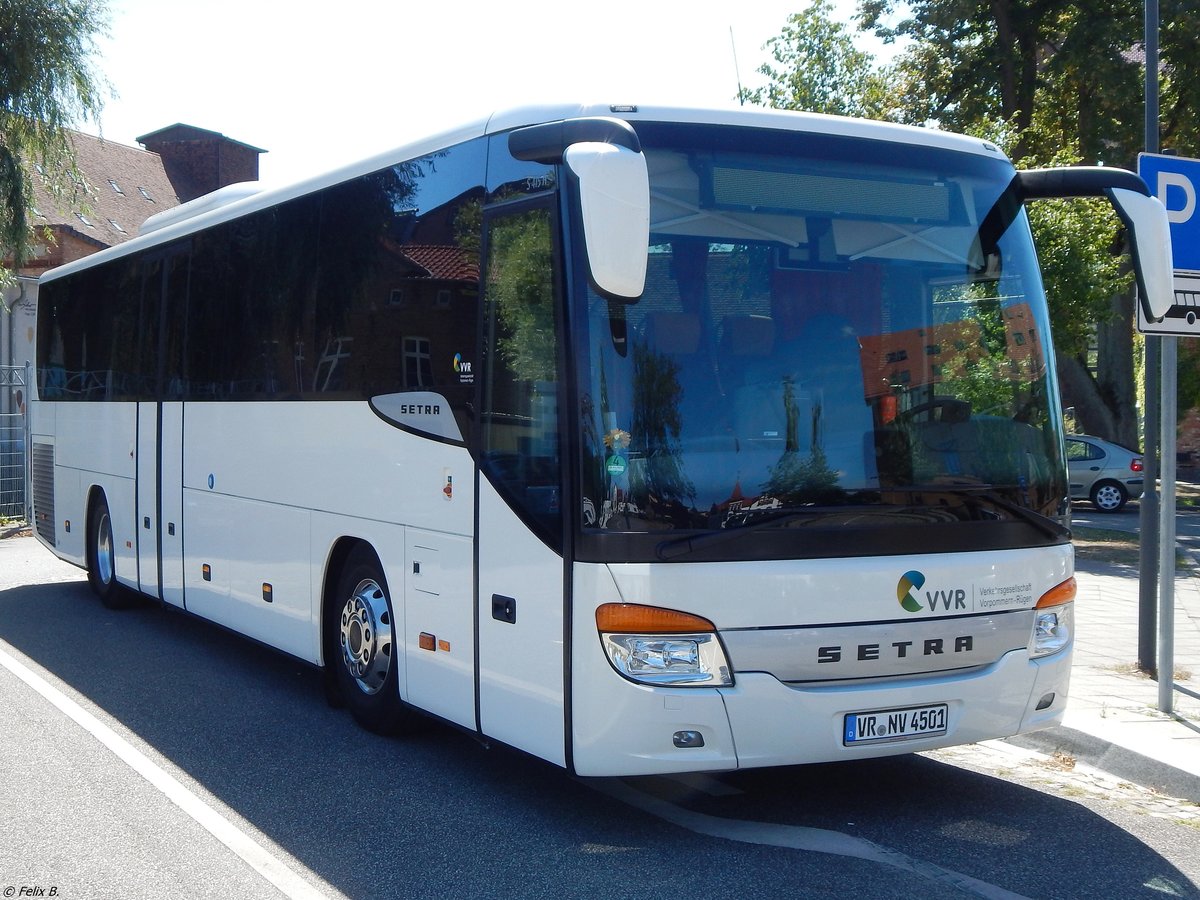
x: 365, y: 288
x: 520, y: 432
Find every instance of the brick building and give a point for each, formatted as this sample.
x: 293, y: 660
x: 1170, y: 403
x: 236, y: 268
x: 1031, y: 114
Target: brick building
x: 118, y: 189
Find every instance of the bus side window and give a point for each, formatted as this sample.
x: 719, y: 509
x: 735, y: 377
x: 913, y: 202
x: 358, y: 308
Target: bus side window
x: 521, y: 451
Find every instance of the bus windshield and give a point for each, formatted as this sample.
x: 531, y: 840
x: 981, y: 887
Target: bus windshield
x: 843, y: 349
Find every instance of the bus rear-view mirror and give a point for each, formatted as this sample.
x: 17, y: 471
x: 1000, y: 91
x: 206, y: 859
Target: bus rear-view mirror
x: 614, y: 204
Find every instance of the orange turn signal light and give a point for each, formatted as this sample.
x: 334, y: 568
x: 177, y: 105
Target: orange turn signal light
x: 633, y: 618
x: 1059, y: 594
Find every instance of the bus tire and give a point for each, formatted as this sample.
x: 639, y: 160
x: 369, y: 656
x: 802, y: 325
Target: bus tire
x: 102, y: 558
x: 362, y: 645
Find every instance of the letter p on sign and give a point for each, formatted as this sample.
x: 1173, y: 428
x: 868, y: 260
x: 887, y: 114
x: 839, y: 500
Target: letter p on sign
x: 1178, y: 195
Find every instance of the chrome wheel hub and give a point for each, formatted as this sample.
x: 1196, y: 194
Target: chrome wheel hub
x: 104, y: 550
x: 366, y: 636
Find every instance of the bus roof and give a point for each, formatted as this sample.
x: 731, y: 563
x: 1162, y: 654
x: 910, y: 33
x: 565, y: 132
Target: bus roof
x: 237, y: 200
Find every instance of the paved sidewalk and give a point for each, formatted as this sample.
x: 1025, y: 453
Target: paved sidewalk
x: 1112, y: 720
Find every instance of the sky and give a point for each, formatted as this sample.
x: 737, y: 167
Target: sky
x: 321, y: 86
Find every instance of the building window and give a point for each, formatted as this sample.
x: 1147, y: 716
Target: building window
x: 418, y: 364
x: 117, y: 227
x: 146, y: 194
x: 84, y: 219
x: 396, y: 297
x: 443, y: 299
x: 116, y: 187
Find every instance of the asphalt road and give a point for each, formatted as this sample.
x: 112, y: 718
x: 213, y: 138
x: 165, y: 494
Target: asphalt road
x: 146, y: 754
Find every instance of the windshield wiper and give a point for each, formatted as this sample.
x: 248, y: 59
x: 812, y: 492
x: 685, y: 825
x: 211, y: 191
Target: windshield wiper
x: 974, y: 495
x: 682, y: 546
x: 1043, y: 524
x: 973, y: 492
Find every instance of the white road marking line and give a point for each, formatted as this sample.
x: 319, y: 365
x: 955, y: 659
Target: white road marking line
x: 796, y: 837
x: 251, y: 852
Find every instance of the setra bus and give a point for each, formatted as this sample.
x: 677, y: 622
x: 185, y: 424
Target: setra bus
x: 641, y: 439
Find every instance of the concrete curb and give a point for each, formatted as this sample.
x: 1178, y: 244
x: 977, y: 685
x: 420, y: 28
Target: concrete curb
x: 1113, y: 759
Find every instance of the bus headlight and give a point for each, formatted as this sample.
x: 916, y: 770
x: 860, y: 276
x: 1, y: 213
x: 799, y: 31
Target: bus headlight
x: 662, y: 646
x: 1053, y: 620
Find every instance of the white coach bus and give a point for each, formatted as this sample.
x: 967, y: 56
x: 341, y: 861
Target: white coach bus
x: 641, y: 439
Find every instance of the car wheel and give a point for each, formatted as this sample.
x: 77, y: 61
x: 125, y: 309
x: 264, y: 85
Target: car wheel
x: 1108, y: 496
x: 362, y: 646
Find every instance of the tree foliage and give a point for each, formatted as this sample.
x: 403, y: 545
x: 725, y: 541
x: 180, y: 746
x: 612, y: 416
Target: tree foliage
x: 818, y: 68
x: 47, y: 85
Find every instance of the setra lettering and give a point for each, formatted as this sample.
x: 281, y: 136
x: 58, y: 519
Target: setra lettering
x: 964, y: 643
x: 420, y: 409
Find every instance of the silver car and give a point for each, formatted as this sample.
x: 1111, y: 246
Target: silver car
x: 1103, y: 472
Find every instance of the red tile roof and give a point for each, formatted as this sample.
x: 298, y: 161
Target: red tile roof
x: 443, y: 263
x: 121, y: 188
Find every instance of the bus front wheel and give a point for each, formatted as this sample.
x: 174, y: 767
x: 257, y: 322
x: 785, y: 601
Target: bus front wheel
x: 362, y: 644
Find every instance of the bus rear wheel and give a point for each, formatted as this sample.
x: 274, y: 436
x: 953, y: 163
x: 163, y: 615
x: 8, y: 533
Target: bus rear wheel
x: 362, y: 645
x: 102, y: 559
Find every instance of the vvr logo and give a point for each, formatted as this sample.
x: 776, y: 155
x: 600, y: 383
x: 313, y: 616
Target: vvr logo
x: 904, y: 590
x: 911, y: 582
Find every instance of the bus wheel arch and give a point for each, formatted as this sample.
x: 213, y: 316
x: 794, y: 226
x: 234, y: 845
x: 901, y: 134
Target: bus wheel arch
x: 361, y: 641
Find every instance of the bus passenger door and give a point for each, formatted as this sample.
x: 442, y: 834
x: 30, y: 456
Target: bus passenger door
x: 160, y: 500
x: 147, y: 498
x: 170, y: 535
x: 160, y: 428
x: 520, y: 564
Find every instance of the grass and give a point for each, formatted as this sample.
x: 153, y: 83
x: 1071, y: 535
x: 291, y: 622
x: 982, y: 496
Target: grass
x: 1187, y: 495
x: 1120, y: 548
x: 1104, y: 545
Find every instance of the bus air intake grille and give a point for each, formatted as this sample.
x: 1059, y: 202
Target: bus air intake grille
x: 43, y: 491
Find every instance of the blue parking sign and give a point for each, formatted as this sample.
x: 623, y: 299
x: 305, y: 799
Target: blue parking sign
x: 1175, y: 180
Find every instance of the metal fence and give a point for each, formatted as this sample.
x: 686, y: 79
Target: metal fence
x: 13, y: 393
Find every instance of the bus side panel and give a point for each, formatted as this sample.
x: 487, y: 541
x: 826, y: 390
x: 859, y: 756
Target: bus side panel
x: 95, y: 446
x: 439, y: 603
x: 270, y: 488
x: 520, y: 633
x: 257, y: 580
x: 332, y: 456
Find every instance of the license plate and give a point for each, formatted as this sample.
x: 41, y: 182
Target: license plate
x: 894, y: 724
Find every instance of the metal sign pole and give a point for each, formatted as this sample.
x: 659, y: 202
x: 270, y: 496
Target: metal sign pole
x: 1148, y: 512
x: 1166, y: 561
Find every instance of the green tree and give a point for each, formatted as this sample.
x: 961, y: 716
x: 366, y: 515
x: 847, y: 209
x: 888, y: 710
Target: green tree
x: 47, y: 84
x: 817, y: 68
x: 1063, y: 82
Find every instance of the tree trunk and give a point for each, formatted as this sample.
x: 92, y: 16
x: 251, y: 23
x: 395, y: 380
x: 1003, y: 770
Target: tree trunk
x: 1105, y: 404
x: 1114, y: 364
x: 1080, y: 392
